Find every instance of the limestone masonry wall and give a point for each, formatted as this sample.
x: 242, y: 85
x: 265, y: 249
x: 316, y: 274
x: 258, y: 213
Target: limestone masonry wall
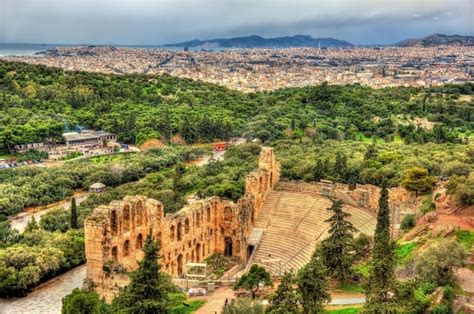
x: 115, y: 234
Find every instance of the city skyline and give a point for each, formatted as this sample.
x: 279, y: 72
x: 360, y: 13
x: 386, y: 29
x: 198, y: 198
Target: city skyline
x: 147, y: 22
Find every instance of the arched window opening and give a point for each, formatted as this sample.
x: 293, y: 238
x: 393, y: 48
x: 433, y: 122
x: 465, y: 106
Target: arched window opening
x: 139, y: 243
x: 114, y: 222
x: 114, y: 253
x: 126, y: 248
x: 179, y: 231
x: 126, y: 218
x: 139, y: 213
x: 186, y: 226
x: 198, y: 219
x: 198, y: 252
x: 180, y: 264
x: 172, y: 233
x: 228, y: 246
x: 208, y: 214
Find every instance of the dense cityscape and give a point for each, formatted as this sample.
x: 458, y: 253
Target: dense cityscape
x: 252, y: 70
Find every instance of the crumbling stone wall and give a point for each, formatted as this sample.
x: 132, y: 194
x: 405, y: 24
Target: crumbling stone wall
x: 365, y: 196
x: 115, y: 234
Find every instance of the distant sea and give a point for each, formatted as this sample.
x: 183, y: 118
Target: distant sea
x: 34, y: 49
x: 22, y: 49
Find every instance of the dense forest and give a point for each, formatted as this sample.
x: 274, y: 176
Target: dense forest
x: 38, y: 103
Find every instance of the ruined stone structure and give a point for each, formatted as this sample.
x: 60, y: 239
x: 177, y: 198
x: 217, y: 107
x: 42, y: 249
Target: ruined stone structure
x: 115, y: 233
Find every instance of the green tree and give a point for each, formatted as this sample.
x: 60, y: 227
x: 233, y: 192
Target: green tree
x: 437, y: 261
x: 147, y: 291
x: 31, y: 225
x: 381, y: 279
x: 251, y: 281
x: 313, y: 286
x: 81, y: 302
x: 284, y: 300
x: 73, y: 220
x: 418, y: 180
x: 371, y: 152
x: 336, y: 249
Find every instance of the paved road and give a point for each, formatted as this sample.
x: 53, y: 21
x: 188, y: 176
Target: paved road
x: 20, y: 220
x: 47, y: 297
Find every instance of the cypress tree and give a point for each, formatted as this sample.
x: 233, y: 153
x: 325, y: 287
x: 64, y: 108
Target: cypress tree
x: 381, y: 278
x: 313, y: 286
x: 318, y: 173
x: 73, y: 222
x: 340, y: 166
x: 335, y: 250
x: 147, y: 291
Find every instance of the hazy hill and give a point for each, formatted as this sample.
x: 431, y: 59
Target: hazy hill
x: 438, y: 39
x: 255, y: 41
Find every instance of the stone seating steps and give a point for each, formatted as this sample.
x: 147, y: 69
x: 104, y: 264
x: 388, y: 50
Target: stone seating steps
x: 294, y: 223
x: 266, y: 211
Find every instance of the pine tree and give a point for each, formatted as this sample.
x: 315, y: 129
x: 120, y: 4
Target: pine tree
x: 73, y: 222
x: 313, y: 286
x: 284, y: 300
x: 147, y: 291
x: 335, y: 250
x: 381, y: 278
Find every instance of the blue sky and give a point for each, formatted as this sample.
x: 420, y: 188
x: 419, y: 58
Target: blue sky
x: 151, y: 22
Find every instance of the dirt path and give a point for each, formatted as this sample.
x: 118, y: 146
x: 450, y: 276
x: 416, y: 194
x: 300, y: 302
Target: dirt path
x: 20, y: 220
x: 47, y: 297
x: 215, y: 301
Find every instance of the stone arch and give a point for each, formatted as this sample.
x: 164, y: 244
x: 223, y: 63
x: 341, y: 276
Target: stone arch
x: 172, y: 233
x: 186, y: 226
x: 260, y: 184
x: 115, y: 253
x: 228, y: 246
x: 228, y: 215
x: 126, y: 218
x: 180, y: 264
x: 126, y: 248
x: 114, y: 222
x: 179, y: 231
x: 203, y: 250
x: 208, y: 211
x: 139, y: 241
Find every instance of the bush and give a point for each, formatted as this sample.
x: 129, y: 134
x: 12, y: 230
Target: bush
x: 408, y: 222
x: 244, y: 306
x: 435, y: 263
x: 80, y: 302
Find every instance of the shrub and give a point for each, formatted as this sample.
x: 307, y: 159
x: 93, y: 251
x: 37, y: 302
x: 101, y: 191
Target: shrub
x: 408, y: 222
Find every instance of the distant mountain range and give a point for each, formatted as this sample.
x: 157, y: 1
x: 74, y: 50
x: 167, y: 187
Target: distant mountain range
x: 438, y: 39
x: 255, y: 41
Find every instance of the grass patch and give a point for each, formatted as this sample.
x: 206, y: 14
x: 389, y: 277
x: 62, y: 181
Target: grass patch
x: 363, y: 269
x: 190, y: 307
x: 403, y: 252
x: 465, y: 238
x: 349, y: 310
x: 351, y: 287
